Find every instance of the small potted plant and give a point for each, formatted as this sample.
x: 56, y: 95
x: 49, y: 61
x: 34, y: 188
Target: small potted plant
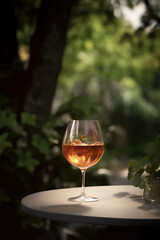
x: 145, y: 172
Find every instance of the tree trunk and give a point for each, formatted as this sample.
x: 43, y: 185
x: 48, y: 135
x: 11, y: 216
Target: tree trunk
x: 8, y: 48
x: 47, y: 47
x: 8, y: 42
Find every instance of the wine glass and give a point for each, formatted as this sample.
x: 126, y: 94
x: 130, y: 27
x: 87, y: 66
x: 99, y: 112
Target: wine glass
x: 83, y: 147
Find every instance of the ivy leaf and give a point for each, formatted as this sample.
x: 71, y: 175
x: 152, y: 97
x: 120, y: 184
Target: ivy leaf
x: 141, y: 163
x: 3, y: 142
x: 40, y: 143
x: 131, y: 163
x: 27, y: 161
x: 130, y: 173
x: 135, y: 170
x: 136, y: 165
x: 153, y: 150
x: 136, y: 181
x: 29, y: 119
x: 9, y: 119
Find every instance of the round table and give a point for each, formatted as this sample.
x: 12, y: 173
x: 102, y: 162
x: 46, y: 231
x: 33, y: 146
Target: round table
x: 117, y: 205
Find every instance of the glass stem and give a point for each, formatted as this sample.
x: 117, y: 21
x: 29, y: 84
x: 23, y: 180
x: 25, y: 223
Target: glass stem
x: 83, y: 182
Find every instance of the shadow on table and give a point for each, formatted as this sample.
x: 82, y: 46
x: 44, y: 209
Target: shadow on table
x: 138, y: 198
x: 67, y: 208
x: 79, y: 231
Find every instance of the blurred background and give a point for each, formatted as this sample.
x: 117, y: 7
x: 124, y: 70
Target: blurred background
x: 61, y: 60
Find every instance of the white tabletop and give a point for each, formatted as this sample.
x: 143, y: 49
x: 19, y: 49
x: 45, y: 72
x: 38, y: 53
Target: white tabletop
x: 117, y: 205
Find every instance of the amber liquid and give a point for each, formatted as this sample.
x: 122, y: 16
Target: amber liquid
x: 83, y: 155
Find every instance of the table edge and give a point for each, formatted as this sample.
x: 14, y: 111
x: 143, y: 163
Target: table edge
x: 89, y: 219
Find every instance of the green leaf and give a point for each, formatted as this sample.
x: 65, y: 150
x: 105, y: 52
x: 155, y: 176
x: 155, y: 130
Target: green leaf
x: 136, y: 180
x: 141, y: 163
x: 27, y: 161
x: 40, y: 143
x: 28, y: 118
x: 136, y: 165
x: 153, y: 150
x: 131, y: 163
x: 130, y: 173
x: 9, y: 119
x: 135, y: 170
x: 3, y: 142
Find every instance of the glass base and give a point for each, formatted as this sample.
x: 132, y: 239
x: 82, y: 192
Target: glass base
x: 83, y: 198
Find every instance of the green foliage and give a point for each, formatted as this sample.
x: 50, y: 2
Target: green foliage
x: 31, y: 158
x: 117, y: 67
x: 29, y: 119
x: 8, y: 119
x: 108, y: 49
x: 149, y: 165
x: 27, y: 161
x: 4, y: 143
x: 41, y: 144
